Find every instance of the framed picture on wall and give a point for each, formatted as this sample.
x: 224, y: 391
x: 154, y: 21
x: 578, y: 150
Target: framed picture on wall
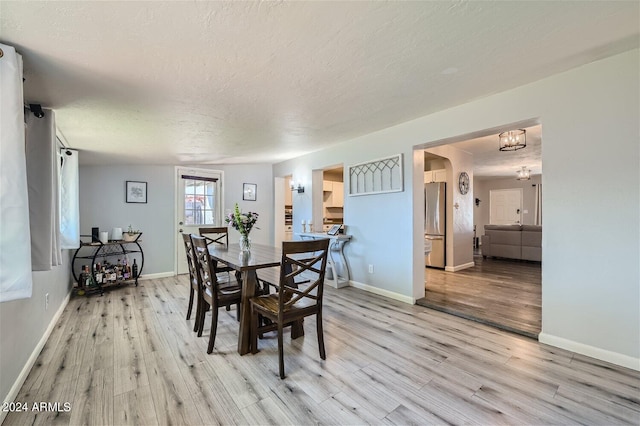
x: 136, y: 191
x: 249, y: 191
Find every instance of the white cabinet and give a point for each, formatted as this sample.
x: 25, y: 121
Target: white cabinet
x: 333, y: 193
x: 337, y: 195
x: 288, y: 232
x: 435, y: 176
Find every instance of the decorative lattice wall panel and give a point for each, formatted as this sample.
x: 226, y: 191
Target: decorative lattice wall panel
x: 376, y: 177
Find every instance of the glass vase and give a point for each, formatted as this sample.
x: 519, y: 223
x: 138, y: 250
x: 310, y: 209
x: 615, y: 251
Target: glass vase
x: 245, y: 243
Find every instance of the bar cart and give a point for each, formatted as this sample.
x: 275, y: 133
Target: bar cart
x: 99, y: 269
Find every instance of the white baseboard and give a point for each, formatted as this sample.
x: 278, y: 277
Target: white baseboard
x: 591, y: 351
x: 156, y: 276
x: 17, y: 385
x: 459, y: 267
x: 383, y: 292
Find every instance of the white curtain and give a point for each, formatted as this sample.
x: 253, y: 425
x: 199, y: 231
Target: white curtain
x: 15, y: 239
x: 537, y: 218
x: 42, y: 178
x: 69, y: 199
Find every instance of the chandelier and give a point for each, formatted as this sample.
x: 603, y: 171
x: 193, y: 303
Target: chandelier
x: 513, y: 140
x: 523, y: 174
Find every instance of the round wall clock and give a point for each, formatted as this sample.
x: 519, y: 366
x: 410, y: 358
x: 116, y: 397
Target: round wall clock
x: 463, y: 183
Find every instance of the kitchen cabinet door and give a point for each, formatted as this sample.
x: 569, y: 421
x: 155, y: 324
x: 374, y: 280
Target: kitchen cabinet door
x: 440, y: 175
x: 338, y: 194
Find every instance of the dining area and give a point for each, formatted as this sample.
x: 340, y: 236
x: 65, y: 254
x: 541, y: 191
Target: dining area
x: 270, y: 288
x: 131, y: 357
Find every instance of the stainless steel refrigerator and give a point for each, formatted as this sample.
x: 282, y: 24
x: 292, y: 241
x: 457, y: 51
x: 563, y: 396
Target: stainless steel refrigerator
x: 435, y: 223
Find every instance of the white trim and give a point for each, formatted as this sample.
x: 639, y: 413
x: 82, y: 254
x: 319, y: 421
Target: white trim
x: 179, y: 244
x: 156, y: 276
x: 382, y: 292
x: 459, y: 267
x: 591, y: 351
x: 17, y: 385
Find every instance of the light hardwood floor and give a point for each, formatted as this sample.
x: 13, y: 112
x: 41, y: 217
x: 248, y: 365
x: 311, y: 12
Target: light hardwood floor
x: 503, y: 293
x: 130, y: 357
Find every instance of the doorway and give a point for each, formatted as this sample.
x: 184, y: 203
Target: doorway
x: 505, y: 206
x: 332, y: 198
x: 505, y: 293
x: 198, y: 203
x: 283, y: 209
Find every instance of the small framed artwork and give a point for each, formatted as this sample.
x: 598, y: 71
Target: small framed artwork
x: 136, y: 192
x: 249, y: 191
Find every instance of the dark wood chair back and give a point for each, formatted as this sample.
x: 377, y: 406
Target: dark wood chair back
x: 215, y: 235
x: 306, y: 260
x: 193, y: 279
x: 204, y: 265
x: 303, y: 262
x: 214, y: 292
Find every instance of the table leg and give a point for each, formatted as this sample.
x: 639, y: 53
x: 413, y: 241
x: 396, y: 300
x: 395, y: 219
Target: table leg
x: 249, y: 284
x: 297, y: 329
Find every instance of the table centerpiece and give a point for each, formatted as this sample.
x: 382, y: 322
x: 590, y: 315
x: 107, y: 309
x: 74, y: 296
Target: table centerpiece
x: 243, y: 223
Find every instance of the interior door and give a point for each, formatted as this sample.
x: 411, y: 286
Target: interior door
x: 198, y: 203
x: 505, y: 206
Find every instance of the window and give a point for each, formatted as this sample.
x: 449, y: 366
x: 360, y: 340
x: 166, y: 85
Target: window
x: 201, y: 200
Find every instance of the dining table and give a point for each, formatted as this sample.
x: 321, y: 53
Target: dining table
x: 247, y: 264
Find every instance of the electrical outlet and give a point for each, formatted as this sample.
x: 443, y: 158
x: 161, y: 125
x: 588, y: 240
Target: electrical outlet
x: 371, y: 269
x: 46, y: 301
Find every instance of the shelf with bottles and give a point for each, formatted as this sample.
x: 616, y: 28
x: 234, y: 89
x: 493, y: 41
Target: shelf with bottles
x: 96, y: 265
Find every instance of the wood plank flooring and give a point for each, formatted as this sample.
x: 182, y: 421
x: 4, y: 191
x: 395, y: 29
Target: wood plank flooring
x: 503, y: 293
x: 130, y: 357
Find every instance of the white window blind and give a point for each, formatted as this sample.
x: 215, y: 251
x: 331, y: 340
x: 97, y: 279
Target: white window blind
x: 15, y: 240
x: 42, y: 180
x: 69, y: 199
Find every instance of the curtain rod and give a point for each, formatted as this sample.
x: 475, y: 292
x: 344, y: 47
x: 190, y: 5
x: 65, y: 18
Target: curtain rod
x: 60, y: 137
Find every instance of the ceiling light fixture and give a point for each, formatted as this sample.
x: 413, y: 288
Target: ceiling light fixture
x: 524, y: 174
x: 513, y: 140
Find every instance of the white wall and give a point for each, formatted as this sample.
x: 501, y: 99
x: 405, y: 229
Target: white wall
x: 591, y: 279
x: 23, y: 322
x: 482, y: 188
x: 102, y: 204
x: 377, y: 223
x: 260, y: 174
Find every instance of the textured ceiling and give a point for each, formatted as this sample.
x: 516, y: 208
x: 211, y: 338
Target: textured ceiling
x: 241, y: 82
x: 490, y: 162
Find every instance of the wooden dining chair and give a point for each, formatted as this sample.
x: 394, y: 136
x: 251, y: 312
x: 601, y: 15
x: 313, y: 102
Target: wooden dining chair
x: 215, y: 235
x: 214, y: 292
x: 292, y: 302
x: 218, y: 235
x: 193, y: 281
